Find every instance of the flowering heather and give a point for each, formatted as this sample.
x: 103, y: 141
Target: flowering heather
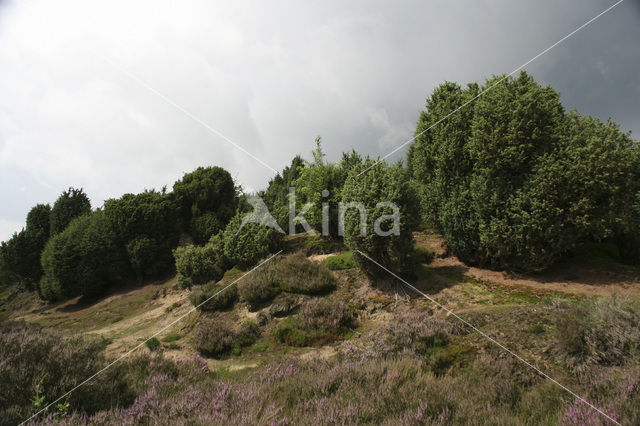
x: 35, y: 370
x: 213, y: 337
x: 325, y: 313
x: 615, y: 391
x: 606, y: 332
x: 392, y: 376
x: 319, y: 321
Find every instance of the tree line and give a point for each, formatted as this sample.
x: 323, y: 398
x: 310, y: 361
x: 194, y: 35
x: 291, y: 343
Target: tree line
x: 511, y: 180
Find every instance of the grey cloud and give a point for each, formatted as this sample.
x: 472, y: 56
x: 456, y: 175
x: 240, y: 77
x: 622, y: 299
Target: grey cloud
x: 270, y: 76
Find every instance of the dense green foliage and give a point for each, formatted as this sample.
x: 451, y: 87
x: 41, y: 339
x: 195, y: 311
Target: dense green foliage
x: 385, y: 240
x: 512, y: 181
x: 146, y: 228
x: 131, y: 235
x: 197, y: 265
x: 320, y: 184
x: 206, y: 198
x: 246, y: 245
x: 72, y: 203
x: 20, y: 255
x: 14, y: 254
x: 82, y: 260
x: 276, y: 196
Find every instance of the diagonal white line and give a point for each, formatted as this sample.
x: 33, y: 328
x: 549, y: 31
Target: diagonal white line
x: 492, y: 340
x: 182, y: 109
x: 492, y: 86
x: 149, y: 338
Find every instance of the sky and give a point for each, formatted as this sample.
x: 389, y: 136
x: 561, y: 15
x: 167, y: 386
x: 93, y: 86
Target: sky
x: 122, y: 96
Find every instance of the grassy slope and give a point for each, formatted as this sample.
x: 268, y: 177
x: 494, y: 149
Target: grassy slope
x: 510, y: 308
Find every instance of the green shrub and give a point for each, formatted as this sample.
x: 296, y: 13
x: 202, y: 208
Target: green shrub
x: 84, y: 259
x: 197, y: 265
x: 71, y: 204
x: 316, y: 177
x: 20, y: 255
x: 146, y: 226
x: 392, y: 245
x: 152, y: 344
x: 247, y: 245
x: 16, y: 258
x: 142, y: 254
x: 223, y: 299
x: 204, y: 227
x: 340, y: 261
x: 206, y: 198
x: 514, y: 182
x: 276, y: 196
x: 602, y: 333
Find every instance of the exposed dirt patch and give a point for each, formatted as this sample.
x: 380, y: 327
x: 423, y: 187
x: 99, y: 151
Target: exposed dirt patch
x: 129, y: 332
x: 319, y: 257
x: 578, y: 279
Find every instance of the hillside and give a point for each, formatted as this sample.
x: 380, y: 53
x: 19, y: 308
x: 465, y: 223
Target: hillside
x: 522, y: 312
x: 490, y: 279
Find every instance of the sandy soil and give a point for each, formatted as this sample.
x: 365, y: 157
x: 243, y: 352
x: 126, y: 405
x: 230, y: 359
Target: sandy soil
x: 564, y: 277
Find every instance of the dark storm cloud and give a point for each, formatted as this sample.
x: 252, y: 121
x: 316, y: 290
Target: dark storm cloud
x: 270, y: 76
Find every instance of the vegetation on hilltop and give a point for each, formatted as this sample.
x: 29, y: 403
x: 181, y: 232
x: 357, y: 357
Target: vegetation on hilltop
x: 512, y: 181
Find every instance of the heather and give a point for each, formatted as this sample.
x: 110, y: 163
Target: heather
x: 217, y: 336
x: 39, y: 365
x: 319, y: 321
x: 419, y: 367
x: 518, y: 217
x: 214, y: 297
x: 605, y: 332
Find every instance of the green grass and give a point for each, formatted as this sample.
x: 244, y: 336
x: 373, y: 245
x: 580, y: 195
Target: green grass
x: 152, y: 344
x: 311, y: 244
x: 340, y: 261
x: 259, y: 347
x: 171, y: 337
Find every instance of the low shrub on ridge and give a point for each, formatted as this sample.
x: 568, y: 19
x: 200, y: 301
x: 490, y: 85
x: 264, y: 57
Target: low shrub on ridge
x: 293, y: 274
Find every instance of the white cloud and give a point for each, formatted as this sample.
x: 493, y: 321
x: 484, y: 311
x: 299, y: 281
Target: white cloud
x: 7, y: 227
x: 269, y: 75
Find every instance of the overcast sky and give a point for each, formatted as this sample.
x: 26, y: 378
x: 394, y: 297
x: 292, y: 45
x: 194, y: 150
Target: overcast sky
x: 270, y: 76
